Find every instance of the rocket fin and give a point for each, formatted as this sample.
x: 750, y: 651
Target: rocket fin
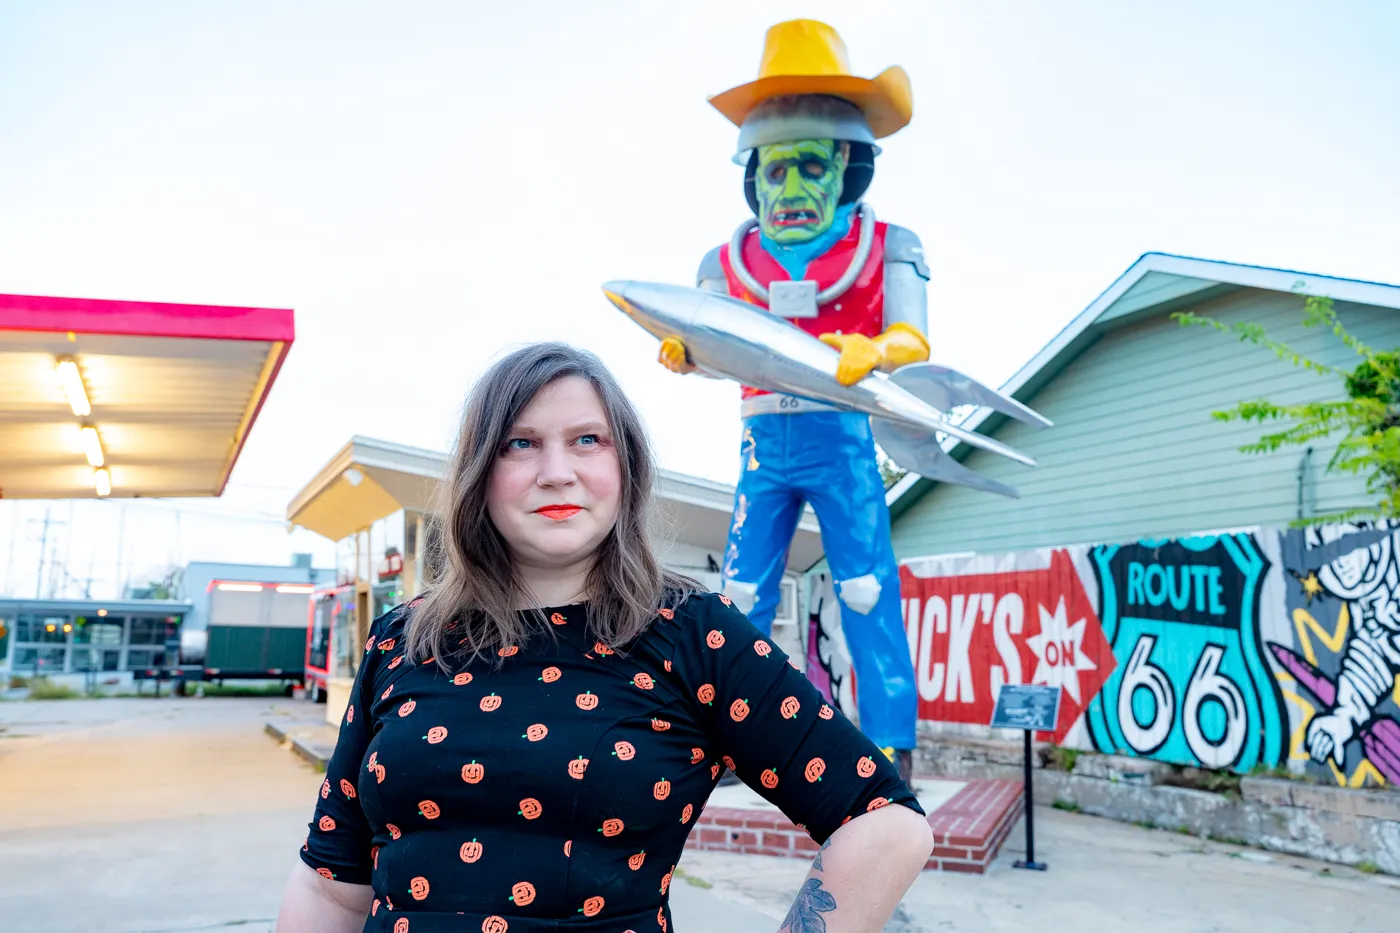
x: 920, y: 452
x: 946, y: 389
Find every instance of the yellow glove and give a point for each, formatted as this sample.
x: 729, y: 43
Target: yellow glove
x: 899, y: 345
x: 673, y: 356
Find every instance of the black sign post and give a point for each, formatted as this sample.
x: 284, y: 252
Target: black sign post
x: 1030, y: 708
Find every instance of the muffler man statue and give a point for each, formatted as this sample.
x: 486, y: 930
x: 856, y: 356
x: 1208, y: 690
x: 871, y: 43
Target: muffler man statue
x: 816, y: 255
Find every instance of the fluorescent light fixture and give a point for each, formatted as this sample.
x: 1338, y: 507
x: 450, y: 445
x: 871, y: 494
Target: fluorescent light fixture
x: 72, y: 382
x: 241, y: 587
x: 103, y: 481
x: 295, y: 588
x: 92, y: 445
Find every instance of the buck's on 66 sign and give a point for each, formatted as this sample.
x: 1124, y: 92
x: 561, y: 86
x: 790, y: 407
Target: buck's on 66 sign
x: 971, y: 633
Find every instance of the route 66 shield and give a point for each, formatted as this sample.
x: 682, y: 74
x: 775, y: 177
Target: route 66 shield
x: 1191, y: 685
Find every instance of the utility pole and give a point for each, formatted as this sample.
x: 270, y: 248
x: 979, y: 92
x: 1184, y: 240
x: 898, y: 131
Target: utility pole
x: 10, y: 560
x: 121, y: 550
x: 68, y: 547
x: 43, y: 554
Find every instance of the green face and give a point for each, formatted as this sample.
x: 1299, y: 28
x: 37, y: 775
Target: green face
x: 798, y: 186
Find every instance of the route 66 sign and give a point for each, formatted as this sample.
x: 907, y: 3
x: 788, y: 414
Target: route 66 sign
x: 1191, y: 685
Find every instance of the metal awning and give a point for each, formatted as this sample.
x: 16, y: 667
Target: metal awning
x: 370, y: 479
x: 130, y: 398
x: 367, y: 480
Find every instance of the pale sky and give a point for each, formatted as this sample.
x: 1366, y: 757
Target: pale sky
x: 429, y: 184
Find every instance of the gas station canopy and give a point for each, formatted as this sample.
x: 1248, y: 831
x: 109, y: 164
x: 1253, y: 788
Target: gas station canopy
x: 128, y: 398
x: 367, y: 480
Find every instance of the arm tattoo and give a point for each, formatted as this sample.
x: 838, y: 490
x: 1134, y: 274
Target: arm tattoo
x: 817, y: 865
x: 805, y: 915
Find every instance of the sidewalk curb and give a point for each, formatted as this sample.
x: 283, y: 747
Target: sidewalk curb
x: 305, y: 750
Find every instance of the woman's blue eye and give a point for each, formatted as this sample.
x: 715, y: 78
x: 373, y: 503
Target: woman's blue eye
x: 511, y: 444
x: 589, y: 437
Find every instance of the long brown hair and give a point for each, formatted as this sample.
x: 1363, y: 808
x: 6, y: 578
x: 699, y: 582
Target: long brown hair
x: 479, y: 589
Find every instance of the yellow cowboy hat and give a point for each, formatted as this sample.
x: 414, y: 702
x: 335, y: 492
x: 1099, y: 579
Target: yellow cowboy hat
x: 803, y: 56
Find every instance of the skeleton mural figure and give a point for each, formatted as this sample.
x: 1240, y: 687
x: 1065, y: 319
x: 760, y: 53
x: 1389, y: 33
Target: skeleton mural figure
x: 815, y: 254
x: 1368, y: 579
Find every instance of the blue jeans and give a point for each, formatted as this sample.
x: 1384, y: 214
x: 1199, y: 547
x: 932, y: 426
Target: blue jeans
x: 826, y: 458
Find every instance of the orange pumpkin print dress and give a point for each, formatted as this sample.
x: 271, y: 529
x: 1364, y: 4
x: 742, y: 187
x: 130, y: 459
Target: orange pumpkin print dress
x: 557, y: 790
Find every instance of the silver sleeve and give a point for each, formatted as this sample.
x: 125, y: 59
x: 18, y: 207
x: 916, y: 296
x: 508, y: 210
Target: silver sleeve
x: 710, y: 275
x: 906, y: 296
x: 906, y: 279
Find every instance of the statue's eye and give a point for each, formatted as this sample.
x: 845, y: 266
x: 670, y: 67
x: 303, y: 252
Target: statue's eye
x: 813, y: 169
x: 775, y: 172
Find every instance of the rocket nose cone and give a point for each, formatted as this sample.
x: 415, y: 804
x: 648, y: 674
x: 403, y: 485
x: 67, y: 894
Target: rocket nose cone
x: 616, y: 291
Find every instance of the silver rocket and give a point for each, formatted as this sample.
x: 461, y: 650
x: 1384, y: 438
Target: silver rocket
x: 734, y: 339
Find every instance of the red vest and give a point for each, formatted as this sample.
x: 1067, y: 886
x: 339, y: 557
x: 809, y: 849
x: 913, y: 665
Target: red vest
x: 861, y: 310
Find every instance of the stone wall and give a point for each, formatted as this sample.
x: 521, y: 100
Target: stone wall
x: 1335, y: 824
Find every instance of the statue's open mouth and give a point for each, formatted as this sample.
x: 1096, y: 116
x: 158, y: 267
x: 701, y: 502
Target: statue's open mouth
x: 794, y: 218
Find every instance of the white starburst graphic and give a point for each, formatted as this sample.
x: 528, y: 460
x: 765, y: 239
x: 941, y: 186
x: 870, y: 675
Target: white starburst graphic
x: 1059, y: 649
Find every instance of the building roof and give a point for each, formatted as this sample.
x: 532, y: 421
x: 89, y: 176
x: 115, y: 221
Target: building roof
x: 369, y: 479
x: 117, y: 607
x: 1158, y: 283
x: 170, y: 392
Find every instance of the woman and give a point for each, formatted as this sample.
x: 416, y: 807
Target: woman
x: 528, y: 747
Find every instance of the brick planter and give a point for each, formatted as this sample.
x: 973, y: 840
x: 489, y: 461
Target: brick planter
x: 969, y: 828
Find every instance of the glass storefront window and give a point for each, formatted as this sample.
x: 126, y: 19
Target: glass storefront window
x: 43, y: 629
x: 147, y: 630
x: 144, y: 657
x: 48, y: 660
x: 104, y: 631
x: 96, y: 659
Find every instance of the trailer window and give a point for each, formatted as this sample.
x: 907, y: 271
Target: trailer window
x: 320, y: 645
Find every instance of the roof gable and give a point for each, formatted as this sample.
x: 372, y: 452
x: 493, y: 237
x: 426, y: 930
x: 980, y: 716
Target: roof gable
x: 1157, y: 283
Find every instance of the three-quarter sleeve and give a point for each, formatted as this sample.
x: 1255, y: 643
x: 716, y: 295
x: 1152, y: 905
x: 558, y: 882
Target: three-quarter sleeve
x: 774, y: 728
x: 338, y: 842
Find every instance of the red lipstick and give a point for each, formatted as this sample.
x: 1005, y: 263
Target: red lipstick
x: 558, y: 512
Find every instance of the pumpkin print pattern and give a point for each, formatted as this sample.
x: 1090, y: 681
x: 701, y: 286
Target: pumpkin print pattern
x: 486, y: 774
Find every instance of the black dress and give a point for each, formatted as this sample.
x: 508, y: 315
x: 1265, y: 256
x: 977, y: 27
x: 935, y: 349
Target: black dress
x: 557, y: 792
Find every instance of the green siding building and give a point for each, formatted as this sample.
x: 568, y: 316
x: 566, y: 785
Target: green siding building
x: 1134, y: 451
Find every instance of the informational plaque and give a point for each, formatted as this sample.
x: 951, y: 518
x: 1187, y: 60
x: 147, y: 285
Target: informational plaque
x: 1032, y: 707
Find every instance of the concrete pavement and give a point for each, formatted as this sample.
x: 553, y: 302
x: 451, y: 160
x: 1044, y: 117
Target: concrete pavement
x: 182, y: 815
x: 174, y: 816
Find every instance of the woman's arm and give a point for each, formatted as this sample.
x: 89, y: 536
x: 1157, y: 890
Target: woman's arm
x: 313, y: 904
x: 861, y: 873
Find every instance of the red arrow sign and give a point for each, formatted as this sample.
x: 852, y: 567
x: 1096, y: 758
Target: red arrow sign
x: 969, y: 634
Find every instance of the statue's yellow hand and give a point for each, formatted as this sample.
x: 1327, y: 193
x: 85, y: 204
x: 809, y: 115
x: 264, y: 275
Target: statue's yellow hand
x: 673, y: 356
x: 859, y: 355
x: 900, y: 345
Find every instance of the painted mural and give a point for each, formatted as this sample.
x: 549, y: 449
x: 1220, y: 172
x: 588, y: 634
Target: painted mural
x: 1192, y: 686
x: 1338, y: 669
x: 1247, y: 651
